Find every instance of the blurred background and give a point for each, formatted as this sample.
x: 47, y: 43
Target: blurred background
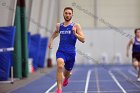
x: 26, y: 26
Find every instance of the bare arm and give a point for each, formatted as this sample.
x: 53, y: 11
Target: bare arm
x: 54, y: 35
x: 78, y: 33
x: 128, y: 47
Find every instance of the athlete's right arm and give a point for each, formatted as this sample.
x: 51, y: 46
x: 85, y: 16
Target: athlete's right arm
x: 128, y: 47
x: 54, y: 35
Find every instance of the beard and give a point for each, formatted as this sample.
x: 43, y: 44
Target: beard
x: 67, y: 19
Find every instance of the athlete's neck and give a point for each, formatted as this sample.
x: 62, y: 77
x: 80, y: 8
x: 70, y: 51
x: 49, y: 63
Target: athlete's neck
x: 66, y: 23
x: 138, y: 38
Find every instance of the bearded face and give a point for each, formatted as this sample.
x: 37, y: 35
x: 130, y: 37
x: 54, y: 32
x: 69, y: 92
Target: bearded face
x: 67, y: 15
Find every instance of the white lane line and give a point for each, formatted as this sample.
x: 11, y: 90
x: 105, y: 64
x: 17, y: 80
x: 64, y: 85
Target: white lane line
x: 53, y: 86
x: 111, y: 91
x: 87, y: 81
x: 128, y: 79
x: 132, y: 73
x: 117, y: 82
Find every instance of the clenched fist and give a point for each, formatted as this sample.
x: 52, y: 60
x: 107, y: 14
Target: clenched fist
x: 74, y: 30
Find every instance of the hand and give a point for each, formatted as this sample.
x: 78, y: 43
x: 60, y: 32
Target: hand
x: 50, y: 45
x: 74, y: 30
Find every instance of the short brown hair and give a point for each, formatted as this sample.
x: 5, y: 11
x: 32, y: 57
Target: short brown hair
x: 136, y: 30
x: 70, y: 8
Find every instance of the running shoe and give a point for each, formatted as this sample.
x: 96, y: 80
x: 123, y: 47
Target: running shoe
x: 58, y: 91
x: 65, y: 82
x: 138, y: 79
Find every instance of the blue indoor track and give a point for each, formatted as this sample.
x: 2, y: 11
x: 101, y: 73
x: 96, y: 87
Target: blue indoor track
x: 89, y: 79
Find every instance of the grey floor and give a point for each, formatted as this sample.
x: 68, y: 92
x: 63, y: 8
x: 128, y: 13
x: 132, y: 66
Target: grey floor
x: 6, y: 88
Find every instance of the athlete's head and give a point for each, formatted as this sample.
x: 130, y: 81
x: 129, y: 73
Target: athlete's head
x: 68, y: 13
x: 137, y: 32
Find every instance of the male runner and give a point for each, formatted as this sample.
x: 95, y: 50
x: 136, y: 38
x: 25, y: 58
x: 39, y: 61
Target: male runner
x: 135, y: 51
x: 65, y: 55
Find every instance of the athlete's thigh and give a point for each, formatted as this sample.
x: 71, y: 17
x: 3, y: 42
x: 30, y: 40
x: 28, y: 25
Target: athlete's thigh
x: 70, y: 61
x: 60, y: 58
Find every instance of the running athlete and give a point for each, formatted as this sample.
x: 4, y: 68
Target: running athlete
x: 135, y: 51
x: 65, y: 55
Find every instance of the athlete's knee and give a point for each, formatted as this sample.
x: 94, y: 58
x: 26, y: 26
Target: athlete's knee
x: 60, y: 63
x: 135, y: 63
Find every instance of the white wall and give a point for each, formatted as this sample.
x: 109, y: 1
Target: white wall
x: 7, y: 12
x: 28, y: 11
x: 35, y: 16
x: 120, y: 13
x: 44, y: 18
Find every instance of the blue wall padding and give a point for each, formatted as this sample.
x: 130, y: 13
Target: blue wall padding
x: 7, y: 35
x: 34, y: 49
x: 29, y: 40
x: 42, y: 52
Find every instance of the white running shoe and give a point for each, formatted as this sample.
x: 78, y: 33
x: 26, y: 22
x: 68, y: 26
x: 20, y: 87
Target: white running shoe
x: 138, y: 79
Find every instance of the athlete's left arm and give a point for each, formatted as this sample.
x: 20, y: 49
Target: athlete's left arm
x: 78, y: 33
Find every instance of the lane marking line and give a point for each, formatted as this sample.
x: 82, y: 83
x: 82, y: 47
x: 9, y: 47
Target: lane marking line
x: 117, y: 82
x: 132, y: 73
x: 53, y: 86
x: 128, y: 79
x: 87, y: 81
